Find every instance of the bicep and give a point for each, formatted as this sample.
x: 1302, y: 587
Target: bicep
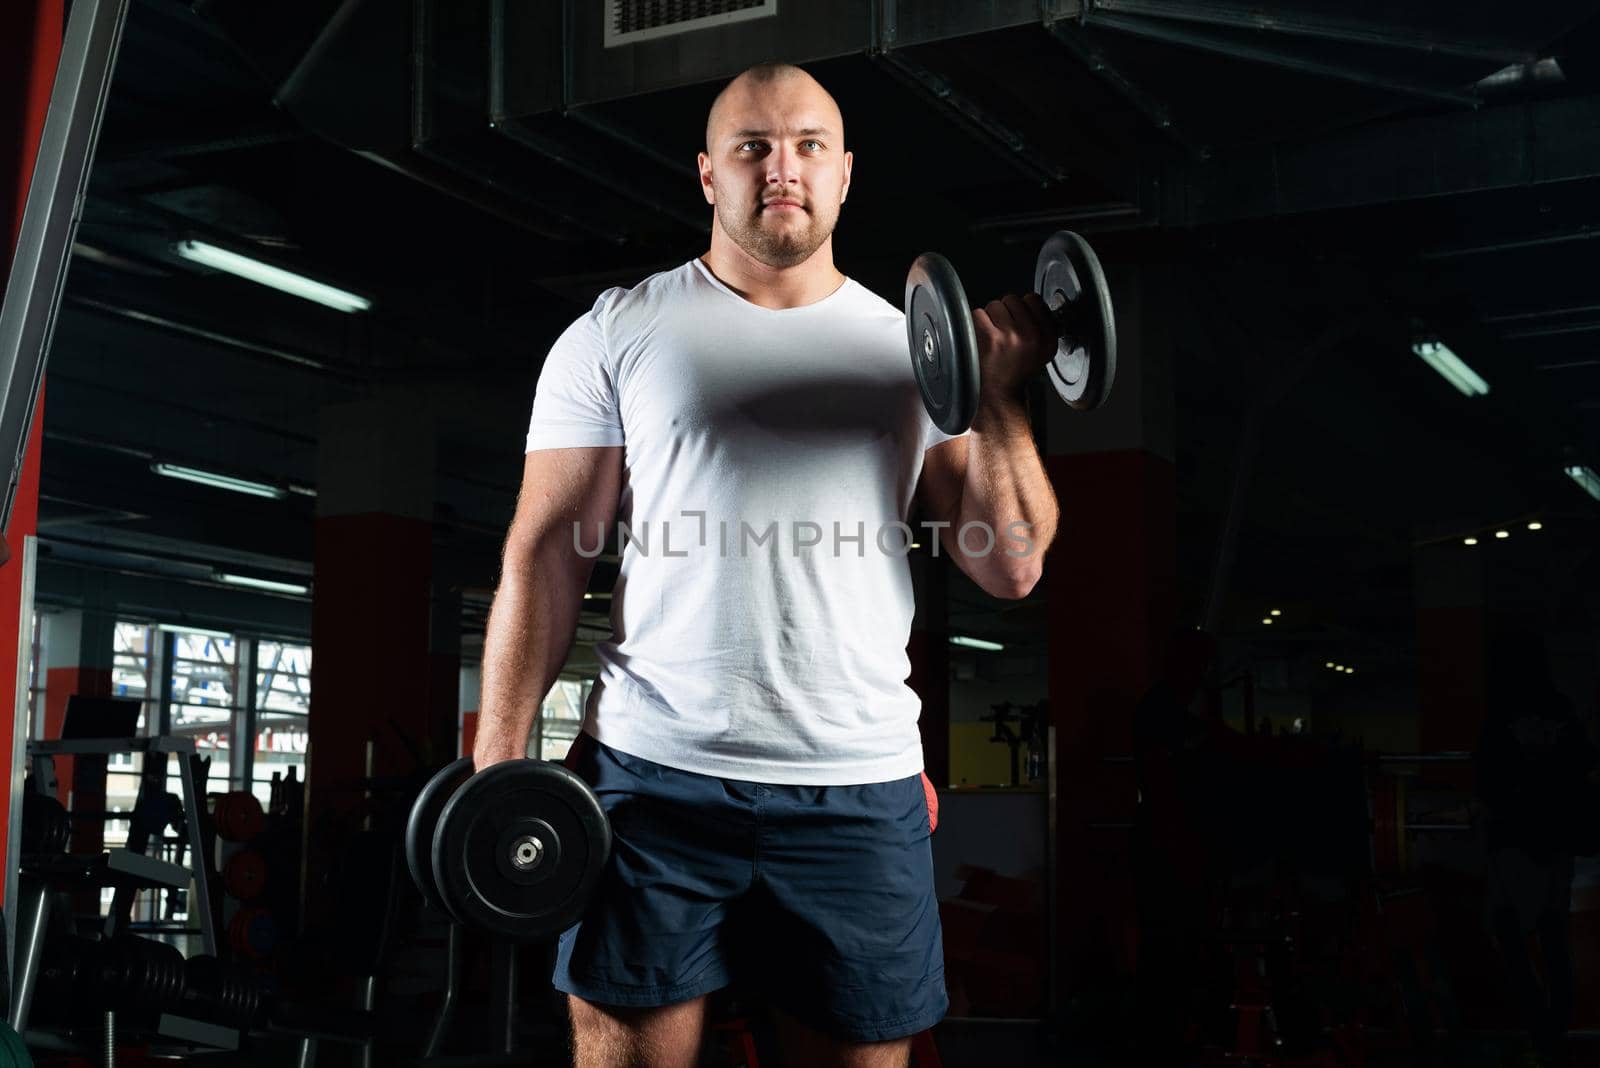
x: 568, y: 499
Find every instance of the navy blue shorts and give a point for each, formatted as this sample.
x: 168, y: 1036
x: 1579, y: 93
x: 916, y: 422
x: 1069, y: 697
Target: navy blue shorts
x: 819, y: 899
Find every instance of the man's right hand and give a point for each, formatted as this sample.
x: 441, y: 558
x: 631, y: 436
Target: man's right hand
x: 494, y: 750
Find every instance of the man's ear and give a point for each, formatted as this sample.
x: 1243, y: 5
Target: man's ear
x: 849, y: 160
x: 703, y: 161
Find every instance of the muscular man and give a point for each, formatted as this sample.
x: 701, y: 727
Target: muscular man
x: 751, y: 417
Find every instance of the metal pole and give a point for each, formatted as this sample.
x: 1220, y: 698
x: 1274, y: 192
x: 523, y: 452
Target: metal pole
x: 19, y: 735
x: 503, y: 997
x: 199, y: 859
x: 50, y: 221
x: 33, y: 917
x: 452, y: 984
x: 244, y: 745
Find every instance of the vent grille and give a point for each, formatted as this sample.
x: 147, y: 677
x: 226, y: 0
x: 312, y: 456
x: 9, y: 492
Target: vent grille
x: 631, y: 21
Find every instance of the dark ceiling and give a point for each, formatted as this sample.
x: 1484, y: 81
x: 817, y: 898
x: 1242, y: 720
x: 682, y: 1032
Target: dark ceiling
x: 1307, y: 188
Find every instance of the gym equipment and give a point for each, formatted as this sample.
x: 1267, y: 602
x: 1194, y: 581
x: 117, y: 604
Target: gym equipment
x: 252, y: 933
x: 944, y: 349
x: 46, y: 828
x: 83, y: 977
x: 1069, y: 278
x: 517, y: 849
x: 13, y: 1054
x: 238, y: 816
x: 245, y: 874
x: 220, y: 992
x: 422, y: 821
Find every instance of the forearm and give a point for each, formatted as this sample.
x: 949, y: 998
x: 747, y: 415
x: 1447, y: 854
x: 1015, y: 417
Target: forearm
x: 1005, y: 488
x: 531, y: 625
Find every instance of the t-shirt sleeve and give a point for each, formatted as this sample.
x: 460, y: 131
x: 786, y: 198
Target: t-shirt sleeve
x: 932, y: 435
x: 575, y: 403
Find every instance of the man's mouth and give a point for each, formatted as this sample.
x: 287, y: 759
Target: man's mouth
x: 782, y: 203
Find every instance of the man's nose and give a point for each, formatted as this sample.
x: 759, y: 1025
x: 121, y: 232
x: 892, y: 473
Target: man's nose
x: 783, y: 166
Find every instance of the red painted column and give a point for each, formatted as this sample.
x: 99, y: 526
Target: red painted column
x: 30, y: 49
x: 1452, y: 645
x: 371, y: 674
x: 1111, y: 587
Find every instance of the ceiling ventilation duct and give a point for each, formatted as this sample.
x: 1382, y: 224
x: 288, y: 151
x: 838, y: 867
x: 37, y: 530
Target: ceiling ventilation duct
x: 631, y: 21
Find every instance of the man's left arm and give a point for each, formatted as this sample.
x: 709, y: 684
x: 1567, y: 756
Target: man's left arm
x: 992, y: 480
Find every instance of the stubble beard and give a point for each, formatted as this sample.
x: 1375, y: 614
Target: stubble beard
x: 777, y: 247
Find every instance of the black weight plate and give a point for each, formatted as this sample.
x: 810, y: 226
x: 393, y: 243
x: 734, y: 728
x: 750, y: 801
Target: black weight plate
x: 521, y: 802
x: 423, y: 819
x: 1068, y: 277
x: 944, y: 349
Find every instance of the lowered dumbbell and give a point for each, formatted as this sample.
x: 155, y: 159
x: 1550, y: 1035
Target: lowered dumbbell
x: 515, y: 849
x: 944, y: 347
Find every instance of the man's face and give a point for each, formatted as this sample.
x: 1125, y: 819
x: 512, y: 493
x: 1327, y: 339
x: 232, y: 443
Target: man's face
x: 776, y: 169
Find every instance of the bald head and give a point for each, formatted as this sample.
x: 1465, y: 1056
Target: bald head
x: 775, y: 167
x: 764, y: 78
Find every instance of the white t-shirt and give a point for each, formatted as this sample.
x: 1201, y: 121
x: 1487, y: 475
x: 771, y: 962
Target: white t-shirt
x: 755, y: 636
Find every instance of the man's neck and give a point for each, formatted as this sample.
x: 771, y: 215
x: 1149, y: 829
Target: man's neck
x: 773, y: 287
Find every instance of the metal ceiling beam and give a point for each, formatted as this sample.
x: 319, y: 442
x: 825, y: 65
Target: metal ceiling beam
x: 1509, y: 246
x: 594, y: 171
x: 983, y: 124
x: 137, y: 595
x: 1234, y: 48
x: 159, y: 148
x: 1550, y: 331
x: 1347, y: 31
x: 1021, y: 226
x: 587, y: 117
x: 1152, y: 108
x: 272, y: 353
x: 1542, y: 313
x: 1504, y: 146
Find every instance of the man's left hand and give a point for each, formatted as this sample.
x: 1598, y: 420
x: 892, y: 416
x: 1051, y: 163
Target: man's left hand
x: 1016, y: 338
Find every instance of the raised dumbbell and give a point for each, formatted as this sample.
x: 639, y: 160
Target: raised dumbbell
x: 944, y: 347
x: 516, y: 849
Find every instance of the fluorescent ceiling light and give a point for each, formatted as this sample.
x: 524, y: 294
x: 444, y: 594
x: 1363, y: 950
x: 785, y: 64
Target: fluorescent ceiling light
x: 265, y: 274
x: 975, y: 643
x: 180, y: 628
x: 1450, y: 366
x: 1585, y: 477
x: 1469, y: 541
x: 1502, y: 534
x: 1275, y: 612
x: 212, y: 478
x: 1535, y: 525
x: 250, y: 582
x: 1267, y: 620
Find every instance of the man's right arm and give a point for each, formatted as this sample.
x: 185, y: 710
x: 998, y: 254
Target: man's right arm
x: 542, y: 580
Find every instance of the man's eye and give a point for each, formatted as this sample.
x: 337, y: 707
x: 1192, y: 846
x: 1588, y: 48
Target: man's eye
x: 816, y: 146
x: 747, y: 144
